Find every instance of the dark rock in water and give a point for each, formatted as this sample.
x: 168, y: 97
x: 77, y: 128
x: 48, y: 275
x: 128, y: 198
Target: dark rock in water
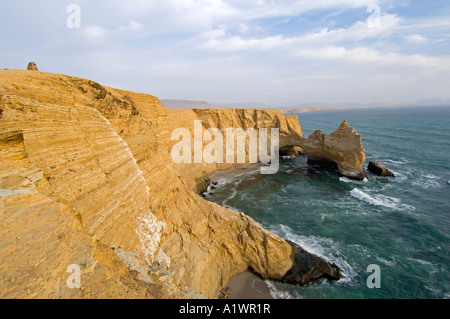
x: 379, y: 169
x: 32, y: 66
x: 308, y: 268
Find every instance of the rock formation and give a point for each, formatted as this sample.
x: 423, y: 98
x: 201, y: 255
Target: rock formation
x: 379, y: 169
x: 308, y: 268
x: 87, y: 179
x: 342, y: 148
x: 32, y: 66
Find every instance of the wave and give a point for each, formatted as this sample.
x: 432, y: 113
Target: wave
x: 380, y: 200
x: 277, y: 293
x: 396, y: 162
x: 348, y: 180
x: 427, y: 181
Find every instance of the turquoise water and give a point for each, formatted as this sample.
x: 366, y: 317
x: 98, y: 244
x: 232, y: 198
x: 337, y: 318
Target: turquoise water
x: 401, y: 224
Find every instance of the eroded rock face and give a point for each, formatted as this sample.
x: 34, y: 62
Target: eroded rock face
x: 343, y: 148
x: 379, y: 169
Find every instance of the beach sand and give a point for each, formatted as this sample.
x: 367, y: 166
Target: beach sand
x: 247, y: 285
x: 221, y: 175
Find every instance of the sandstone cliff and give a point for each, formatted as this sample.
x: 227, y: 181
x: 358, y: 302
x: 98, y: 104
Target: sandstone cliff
x: 87, y: 179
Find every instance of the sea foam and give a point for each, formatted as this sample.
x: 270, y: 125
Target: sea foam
x: 380, y: 200
x: 325, y: 248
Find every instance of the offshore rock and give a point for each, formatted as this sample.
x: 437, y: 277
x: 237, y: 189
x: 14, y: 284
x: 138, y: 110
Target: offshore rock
x: 342, y: 148
x: 308, y: 268
x: 379, y: 169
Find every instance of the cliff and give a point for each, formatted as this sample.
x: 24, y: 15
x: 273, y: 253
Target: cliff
x: 290, y: 134
x: 87, y: 178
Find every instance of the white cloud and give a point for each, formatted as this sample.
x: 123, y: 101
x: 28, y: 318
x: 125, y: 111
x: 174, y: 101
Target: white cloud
x: 243, y: 28
x: 94, y: 32
x: 131, y: 26
x: 367, y: 55
x: 416, y: 39
x: 357, y: 32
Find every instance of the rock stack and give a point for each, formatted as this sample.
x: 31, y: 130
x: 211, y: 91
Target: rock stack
x: 32, y: 67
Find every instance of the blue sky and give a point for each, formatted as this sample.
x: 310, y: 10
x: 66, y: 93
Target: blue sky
x: 277, y: 52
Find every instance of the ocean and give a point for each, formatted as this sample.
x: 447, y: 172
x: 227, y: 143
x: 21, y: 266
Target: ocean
x: 400, y: 224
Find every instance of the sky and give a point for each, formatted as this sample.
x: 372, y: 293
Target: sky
x: 282, y: 53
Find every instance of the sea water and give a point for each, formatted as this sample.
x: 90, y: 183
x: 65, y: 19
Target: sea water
x: 401, y: 224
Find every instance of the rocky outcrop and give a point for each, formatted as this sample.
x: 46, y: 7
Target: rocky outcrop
x: 32, y: 66
x: 379, y: 169
x: 342, y: 148
x: 308, y: 268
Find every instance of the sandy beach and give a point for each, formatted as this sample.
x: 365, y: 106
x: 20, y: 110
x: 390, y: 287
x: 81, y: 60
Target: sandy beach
x: 221, y: 175
x: 247, y: 285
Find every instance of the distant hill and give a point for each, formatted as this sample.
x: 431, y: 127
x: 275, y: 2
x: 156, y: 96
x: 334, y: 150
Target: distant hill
x: 186, y: 104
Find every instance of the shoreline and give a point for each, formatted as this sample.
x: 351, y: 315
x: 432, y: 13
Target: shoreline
x: 217, y: 176
x: 248, y: 285
x: 220, y: 175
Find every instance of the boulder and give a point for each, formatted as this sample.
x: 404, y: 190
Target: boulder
x: 32, y: 67
x: 379, y: 169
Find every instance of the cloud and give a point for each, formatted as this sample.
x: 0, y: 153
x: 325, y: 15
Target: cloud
x: 94, y: 33
x: 416, y: 39
x: 367, y: 55
x: 272, y: 50
x: 357, y: 32
x: 131, y: 26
